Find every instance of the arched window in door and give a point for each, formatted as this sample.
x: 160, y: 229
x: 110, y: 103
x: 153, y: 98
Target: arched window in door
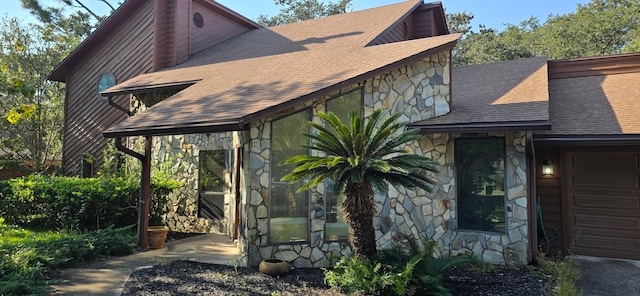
x: 480, y: 177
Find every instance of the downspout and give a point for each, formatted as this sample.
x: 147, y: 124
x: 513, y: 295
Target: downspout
x: 124, y: 110
x: 144, y: 198
x: 533, y: 204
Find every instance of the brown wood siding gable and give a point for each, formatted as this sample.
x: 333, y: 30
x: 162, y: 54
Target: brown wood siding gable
x: 126, y: 53
x: 422, y: 24
x: 216, y: 28
x: 182, y: 31
x: 400, y: 32
x: 165, y: 31
x: 594, y: 66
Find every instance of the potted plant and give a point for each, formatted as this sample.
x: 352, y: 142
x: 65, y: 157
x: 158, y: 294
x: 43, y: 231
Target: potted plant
x: 158, y: 208
x: 157, y: 232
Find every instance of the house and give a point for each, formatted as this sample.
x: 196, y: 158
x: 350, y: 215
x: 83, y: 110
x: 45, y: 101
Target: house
x: 139, y: 37
x: 224, y: 114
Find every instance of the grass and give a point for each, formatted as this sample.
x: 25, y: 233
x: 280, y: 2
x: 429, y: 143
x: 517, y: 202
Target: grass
x: 560, y: 275
x: 28, y: 258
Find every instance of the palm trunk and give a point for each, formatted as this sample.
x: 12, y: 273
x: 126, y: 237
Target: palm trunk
x: 359, y: 208
x: 362, y: 236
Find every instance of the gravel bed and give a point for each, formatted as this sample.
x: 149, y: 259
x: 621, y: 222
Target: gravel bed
x: 194, y: 278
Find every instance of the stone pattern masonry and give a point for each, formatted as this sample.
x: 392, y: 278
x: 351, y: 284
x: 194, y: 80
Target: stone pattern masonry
x: 181, y: 155
x: 419, y: 91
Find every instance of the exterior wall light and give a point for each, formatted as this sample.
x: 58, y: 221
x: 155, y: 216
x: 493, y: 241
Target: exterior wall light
x: 547, y: 168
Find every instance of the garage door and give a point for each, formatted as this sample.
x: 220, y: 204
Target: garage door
x: 604, y: 202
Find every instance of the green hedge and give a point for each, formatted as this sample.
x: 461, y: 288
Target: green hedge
x: 45, y: 202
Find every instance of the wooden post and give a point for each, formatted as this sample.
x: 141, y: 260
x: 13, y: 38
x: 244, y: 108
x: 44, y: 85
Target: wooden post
x: 145, y: 197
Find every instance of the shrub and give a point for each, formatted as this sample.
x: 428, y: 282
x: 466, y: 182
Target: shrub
x: 44, y: 202
x: 27, y: 258
x: 360, y: 275
x: 395, y: 271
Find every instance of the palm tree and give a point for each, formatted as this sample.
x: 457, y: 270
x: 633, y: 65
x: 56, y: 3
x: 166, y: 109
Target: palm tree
x: 360, y: 157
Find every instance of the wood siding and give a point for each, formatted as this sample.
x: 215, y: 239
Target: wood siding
x: 164, y: 46
x: 182, y: 25
x: 423, y: 24
x: 397, y: 33
x: 603, y: 65
x: 216, y: 29
x: 603, y: 194
x: 127, y: 52
x: 549, y: 193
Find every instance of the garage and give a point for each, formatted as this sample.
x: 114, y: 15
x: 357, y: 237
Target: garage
x: 603, y: 201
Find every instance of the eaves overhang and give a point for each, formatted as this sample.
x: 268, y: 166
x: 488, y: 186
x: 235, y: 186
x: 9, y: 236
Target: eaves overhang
x: 198, y: 128
x: 114, y: 91
x: 482, y: 127
x: 585, y: 140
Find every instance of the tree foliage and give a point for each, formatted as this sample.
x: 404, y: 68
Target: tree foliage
x: 362, y: 155
x: 300, y: 10
x: 600, y: 27
x: 80, y: 10
x: 31, y: 106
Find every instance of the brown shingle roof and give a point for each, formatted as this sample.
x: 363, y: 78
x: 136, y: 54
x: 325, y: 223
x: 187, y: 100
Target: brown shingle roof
x: 595, y: 105
x: 266, y: 70
x: 499, y: 96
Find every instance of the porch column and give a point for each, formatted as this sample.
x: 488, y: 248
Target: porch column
x: 145, y: 196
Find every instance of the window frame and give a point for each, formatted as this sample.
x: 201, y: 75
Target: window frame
x: 272, y: 165
x: 459, y: 182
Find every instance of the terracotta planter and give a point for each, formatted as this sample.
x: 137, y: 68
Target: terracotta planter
x: 274, y: 267
x: 157, y: 236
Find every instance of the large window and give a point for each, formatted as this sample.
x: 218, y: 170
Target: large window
x: 288, y: 209
x: 335, y: 226
x: 480, y: 177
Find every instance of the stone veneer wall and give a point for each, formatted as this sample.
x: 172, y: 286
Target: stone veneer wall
x: 181, y: 154
x: 419, y: 91
x: 433, y: 215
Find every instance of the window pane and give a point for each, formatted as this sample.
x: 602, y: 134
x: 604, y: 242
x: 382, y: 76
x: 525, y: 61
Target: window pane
x: 480, y: 171
x: 212, y: 168
x: 335, y: 227
x: 343, y: 105
x: 288, y: 209
x: 213, y: 165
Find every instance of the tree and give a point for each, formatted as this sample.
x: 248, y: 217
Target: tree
x: 600, y: 27
x: 358, y: 157
x: 54, y: 15
x: 30, y: 131
x: 459, y: 22
x: 300, y: 10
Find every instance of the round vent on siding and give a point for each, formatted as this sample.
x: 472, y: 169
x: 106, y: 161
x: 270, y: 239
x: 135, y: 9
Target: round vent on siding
x: 198, y: 20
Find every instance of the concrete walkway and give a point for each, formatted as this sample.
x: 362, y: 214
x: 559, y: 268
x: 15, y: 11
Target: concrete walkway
x: 610, y: 277
x: 107, y: 277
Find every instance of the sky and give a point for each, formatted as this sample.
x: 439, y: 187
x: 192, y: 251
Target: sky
x: 492, y: 13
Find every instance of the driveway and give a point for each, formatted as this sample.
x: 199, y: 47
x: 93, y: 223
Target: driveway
x: 610, y: 277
